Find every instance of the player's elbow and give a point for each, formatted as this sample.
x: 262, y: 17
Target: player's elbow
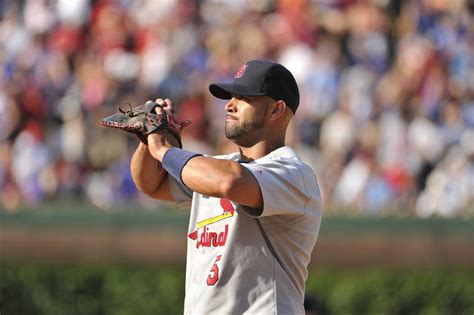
x: 147, y: 190
x: 226, y: 186
x: 229, y: 185
x: 145, y: 187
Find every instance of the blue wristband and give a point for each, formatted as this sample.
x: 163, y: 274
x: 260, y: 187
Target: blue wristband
x: 174, y: 161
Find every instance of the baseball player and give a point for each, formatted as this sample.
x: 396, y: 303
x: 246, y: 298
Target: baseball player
x: 255, y: 214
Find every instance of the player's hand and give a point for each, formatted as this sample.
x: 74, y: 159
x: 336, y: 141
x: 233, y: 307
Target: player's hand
x: 162, y: 140
x: 169, y: 108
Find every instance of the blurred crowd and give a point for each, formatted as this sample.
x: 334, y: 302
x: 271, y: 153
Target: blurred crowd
x: 386, y: 116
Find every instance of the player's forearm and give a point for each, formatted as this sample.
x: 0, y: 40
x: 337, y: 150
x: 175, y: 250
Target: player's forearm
x: 210, y: 176
x: 204, y: 175
x: 145, y: 170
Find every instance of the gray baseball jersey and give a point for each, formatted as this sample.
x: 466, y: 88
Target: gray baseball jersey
x: 238, y: 263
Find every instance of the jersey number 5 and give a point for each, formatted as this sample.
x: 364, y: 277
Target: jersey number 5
x: 213, y: 276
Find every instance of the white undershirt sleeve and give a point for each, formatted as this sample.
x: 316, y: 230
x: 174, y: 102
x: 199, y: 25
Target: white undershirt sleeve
x: 181, y: 194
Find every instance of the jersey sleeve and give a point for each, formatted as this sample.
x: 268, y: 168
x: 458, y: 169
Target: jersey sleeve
x: 286, y: 187
x: 181, y: 194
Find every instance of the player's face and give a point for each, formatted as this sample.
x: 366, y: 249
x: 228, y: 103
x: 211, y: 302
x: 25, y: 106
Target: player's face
x: 245, y: 116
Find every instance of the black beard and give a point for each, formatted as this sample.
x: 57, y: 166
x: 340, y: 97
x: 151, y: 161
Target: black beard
x: 237, y: 131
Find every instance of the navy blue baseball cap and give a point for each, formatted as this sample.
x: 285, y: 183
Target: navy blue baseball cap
x: 261, y: 78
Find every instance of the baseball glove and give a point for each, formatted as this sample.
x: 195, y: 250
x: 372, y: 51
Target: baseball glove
x: 142, y: 121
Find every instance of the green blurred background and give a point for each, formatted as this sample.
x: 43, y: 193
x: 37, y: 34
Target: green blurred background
x: 386, y: 121
x: 72, y: 258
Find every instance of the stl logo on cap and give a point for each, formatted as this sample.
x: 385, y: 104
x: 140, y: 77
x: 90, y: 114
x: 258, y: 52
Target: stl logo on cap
x: 240, y: 72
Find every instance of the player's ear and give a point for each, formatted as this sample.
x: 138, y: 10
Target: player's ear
x: 278, y: 109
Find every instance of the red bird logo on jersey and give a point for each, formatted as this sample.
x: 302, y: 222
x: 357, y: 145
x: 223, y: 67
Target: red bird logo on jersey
x: 227, y: 206
x: 229, y: 210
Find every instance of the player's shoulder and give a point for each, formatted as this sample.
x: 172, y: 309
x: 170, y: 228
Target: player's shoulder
x: 283, y: 161
x: 285, y: 156
x: 285, y: 166
x: 231, y: 156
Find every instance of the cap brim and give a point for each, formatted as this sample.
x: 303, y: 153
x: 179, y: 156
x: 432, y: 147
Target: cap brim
x: 225, y: 90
